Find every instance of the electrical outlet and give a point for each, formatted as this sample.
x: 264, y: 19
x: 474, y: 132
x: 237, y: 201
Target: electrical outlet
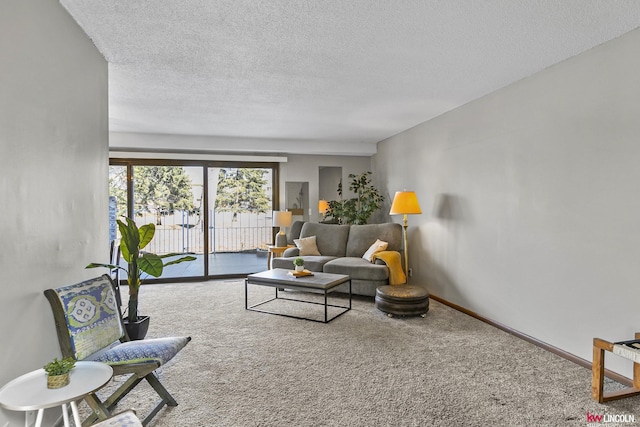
x: 410, y: 272
x: 30, y: 418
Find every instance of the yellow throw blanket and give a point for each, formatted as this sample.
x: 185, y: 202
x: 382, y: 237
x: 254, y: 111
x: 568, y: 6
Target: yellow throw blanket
x: 394, y: 262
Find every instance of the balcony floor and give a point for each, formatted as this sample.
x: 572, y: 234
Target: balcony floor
x: 220, y: 264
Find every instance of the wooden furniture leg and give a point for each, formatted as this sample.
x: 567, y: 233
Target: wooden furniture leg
x: 597, y: 368
x: 636, y: 370
x: 597, y: 374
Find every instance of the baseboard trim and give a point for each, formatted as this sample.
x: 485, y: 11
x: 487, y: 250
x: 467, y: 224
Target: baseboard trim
x: 555, y: 350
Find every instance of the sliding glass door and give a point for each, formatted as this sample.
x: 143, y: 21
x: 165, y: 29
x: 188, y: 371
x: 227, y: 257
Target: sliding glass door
x: 171, y: 198
x: 239, y: 208
x: 219, y: 213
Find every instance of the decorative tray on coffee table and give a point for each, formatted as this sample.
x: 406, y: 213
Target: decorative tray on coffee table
x: 302, y: 273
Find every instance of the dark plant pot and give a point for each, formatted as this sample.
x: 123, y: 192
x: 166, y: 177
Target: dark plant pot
x: 138, y: 329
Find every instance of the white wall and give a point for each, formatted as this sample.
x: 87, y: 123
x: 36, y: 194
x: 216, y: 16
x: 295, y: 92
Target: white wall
x: 305, y: 168
x: 531, y: 200
x: 53, y: 174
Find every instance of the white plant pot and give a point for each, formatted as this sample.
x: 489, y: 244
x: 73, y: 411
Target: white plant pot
x: 299, y: 267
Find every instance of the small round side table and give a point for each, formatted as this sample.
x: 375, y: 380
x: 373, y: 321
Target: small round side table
x: 275, y: 252
x: 29, y: 392
x: 402, y: 300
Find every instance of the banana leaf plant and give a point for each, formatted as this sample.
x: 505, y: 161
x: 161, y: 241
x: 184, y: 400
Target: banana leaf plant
x: 133, y: 240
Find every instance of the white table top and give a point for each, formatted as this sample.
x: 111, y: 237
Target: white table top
x: 29, y: 391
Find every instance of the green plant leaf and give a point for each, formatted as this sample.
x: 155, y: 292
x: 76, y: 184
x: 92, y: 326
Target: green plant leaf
x: 129, y: 244
x: 173, y: 254
x: 151, y: 264
x: 59, y: 367
x: 109, y: 266
x: 133, y: 233
x: 183, y: 259
x: 124, y: 241
x: 146, y: 233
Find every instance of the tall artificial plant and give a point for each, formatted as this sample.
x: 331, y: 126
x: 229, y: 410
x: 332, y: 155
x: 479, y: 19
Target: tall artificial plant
x: 133, y: 240
x: 358, y: 209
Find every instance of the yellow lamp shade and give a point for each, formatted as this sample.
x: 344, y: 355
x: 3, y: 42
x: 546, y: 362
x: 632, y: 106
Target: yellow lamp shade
x: 323, y: 206
x: 405, y: 202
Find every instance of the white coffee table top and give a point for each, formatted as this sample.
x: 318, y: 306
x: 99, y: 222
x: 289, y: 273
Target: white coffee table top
x: 29, y: 391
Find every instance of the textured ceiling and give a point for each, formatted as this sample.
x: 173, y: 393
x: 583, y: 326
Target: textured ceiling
x: 324, y: 76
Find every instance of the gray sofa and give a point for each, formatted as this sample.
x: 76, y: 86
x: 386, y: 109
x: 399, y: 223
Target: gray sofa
x: 341, y: 248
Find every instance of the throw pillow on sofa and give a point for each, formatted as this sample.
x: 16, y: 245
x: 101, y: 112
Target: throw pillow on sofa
x: 307, y: 246
x: 378, y: 246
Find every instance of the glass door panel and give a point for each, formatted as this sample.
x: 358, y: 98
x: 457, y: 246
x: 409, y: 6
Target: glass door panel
x: 240, y: 207
x: 171, y: 197
x: 117, y: 198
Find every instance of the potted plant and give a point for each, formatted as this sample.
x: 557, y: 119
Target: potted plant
x: 133, y: 240
x: 58, y: 372
x: 299, y: 264
x: 356, y: 210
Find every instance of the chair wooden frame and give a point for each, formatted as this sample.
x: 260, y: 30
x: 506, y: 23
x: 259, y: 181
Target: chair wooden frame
x: 137, y: 371
x: 597, y: 371
x: 114, y: 256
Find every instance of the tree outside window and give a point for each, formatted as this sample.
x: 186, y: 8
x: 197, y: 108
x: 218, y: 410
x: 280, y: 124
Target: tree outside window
x: 162, y: 190
x: 242, y: 190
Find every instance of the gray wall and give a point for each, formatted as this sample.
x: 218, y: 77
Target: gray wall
x: 330, y: 178
x: 53, y: 179
x: 305, y: 168
x: 531, y: 200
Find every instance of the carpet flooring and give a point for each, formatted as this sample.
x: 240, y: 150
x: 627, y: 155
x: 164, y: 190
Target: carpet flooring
x: 244, y: 368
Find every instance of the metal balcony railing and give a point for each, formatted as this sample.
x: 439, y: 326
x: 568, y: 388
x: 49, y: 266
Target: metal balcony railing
x: 238, y: 239
x: 178, y: 234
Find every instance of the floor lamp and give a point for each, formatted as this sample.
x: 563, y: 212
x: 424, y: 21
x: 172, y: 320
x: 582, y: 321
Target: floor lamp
x: 281, y: 219
x: 405, y: 203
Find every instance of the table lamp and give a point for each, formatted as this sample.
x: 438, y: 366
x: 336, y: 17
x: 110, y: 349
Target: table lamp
x: 405, y: 203
x: 323, y: 207
x: 281, y: 219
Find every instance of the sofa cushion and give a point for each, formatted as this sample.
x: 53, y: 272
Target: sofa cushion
x: 357, y: 268
x: 378, y: 246
x: 311, y: 263
x: 330, y: 239
x: 361, y: 237
x: 294, y: 231
x: 307, y: 246
x: 291, y: 252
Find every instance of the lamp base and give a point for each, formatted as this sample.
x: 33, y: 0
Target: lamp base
x: 281, y: 240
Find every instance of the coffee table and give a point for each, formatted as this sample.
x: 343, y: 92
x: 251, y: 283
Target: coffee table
x: 280, y: 278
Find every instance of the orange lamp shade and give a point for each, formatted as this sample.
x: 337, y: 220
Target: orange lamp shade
x: 323, y: 206
x: 405, y: 202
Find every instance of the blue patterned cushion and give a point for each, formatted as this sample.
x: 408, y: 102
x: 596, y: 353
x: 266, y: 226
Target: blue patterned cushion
x: 92, y: 315
x: 151, y: 350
